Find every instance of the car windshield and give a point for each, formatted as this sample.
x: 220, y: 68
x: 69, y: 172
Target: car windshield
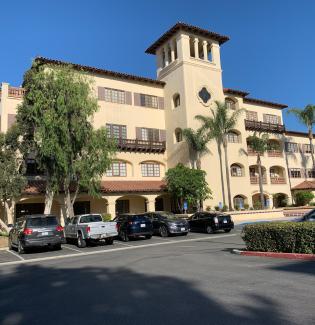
x: 91, y: 218
x: 168, y: 216
x: 41, y: 222
x: 138, y: 218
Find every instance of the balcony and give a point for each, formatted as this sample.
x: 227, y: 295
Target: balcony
x: 252, y: 152
x: 275, y: 153
x: 136, y: 145
x: 255, y: 180
x: 264, y: 127
x: 16, y: 92
x: 277, y: 180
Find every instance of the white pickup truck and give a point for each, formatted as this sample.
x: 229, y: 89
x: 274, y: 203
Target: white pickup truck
x: 90, y: 227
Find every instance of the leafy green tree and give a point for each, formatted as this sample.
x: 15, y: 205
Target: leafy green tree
x: 259, y: 144
x: 55, y: 122
x: 187, y: 184
x: 218, y: 126
x: 197, y: 143
x: 12, y: 180
x: 307, y: 117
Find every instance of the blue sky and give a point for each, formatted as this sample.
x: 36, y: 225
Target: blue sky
x: 271, y: 52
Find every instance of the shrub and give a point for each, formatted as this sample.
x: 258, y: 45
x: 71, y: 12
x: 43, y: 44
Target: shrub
x: 303, y: 197
x: 257, y: 205
x: 281, y: 200
x: 285, y: 237
x: 217, y: 208
x: 224, y: 208
x: 106, y: 217
x: 246, y: 206
x: 208, y: 208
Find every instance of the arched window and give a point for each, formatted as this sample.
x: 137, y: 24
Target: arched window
x: 176, y: 100
x: 230, y: 103
x: 178, y: 135
x: 236, y: 170
x: 233, y: 137
x: 239, y: 202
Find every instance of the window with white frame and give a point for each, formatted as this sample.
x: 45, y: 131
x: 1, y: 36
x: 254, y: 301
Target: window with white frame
x: 251, y: 116
x: 230, y: 104
x: 116, y: 131
x: 148, y: 101
x: 292, y: 147
x: 233, y: 137
x: 236, y: 170
x: 307, y: 148
x: 311, y: 173
x: 118, y: 168
x: 272, y: 119
x: 115, y: 96
x: 150, y: 170
x: 295, y: 172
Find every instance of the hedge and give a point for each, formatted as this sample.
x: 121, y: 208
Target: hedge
x: 284, y: 237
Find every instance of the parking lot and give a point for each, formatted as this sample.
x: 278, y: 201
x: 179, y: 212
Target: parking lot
x: 69, y: 250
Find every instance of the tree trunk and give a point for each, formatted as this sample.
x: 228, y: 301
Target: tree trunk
x: 227, y: 171
x: 68, y: 204
x: 9, y: 211
x: 198, y: 161
x: 262, y: 197
x: 221, y: 171
x: 49, y: 196
x: 310, y: 137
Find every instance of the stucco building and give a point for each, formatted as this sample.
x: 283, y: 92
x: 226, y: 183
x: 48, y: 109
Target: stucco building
x: 148, y: 116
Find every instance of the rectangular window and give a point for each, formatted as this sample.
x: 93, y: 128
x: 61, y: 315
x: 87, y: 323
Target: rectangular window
x: 148, y: 101
x: 150, y: 170
x: 116, y: 131
x: 272, y: 119
x: 117, y: 169
x: 148, y: 134
x: 251, y: 116
x: 236, y: 171
x: 292, y: 147
x: 115, y: 96
x: 233, y: 137
x: 311, y: 173
x: 295, y: 173
x: 307, y: 148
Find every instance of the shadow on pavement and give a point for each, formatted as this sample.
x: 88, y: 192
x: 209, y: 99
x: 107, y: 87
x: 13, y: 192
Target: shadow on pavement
x: 33, y: 294
x: 306, y: 267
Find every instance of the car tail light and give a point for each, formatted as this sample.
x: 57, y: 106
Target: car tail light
x: 88, y: 229
x: 59, y: 228
x: 117, y: 226
x: 27, y: 231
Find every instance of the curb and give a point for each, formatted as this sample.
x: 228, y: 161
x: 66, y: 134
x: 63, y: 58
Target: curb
x: 292, y: 256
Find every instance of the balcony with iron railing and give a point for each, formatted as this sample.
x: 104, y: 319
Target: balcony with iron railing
x: 264, y: 127
x: 255, y: 180
x: 275, y: 153
x: 277, y: 180
x: 16, y: 92
x: 136, y: 145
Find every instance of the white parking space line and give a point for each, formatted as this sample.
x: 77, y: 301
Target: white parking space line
x: 119, y: 243
x: 71, y: 248
x: 16, y: 255
x: 173, y: 242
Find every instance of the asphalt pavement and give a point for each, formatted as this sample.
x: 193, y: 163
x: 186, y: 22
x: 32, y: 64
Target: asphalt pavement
x: 178, y: 280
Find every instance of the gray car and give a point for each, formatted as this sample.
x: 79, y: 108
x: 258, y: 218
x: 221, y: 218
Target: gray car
x: 36, y: 231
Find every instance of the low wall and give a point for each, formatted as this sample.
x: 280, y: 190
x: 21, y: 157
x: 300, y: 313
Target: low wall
x: 256, y: 215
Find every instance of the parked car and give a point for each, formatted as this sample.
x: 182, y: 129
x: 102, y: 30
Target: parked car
x: 167, y: 223
x: 310, y: 216
x: 210, y: 222
x: 36, y: 231
x: 90, y: 227
x: 134, y: 225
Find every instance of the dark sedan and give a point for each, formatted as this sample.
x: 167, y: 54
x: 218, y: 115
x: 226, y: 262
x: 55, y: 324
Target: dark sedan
x: 166, y: 224
x: 133, y: 225
x: 210, y: 222
x: 36, y: 231
x: 310, y: 216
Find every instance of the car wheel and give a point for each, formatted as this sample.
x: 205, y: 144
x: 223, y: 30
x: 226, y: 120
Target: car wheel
x: 209, y: 230
x: 227, y: 230
x: 109, y: 241
x: 163, y: 231
x: 148, y: 236
x: 57, y: 247
x: 21, y: 249
x: 81, y: 241
x: 124, y: 236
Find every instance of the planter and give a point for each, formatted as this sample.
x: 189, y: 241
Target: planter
x: 3, y: 242
x: 291, y: 256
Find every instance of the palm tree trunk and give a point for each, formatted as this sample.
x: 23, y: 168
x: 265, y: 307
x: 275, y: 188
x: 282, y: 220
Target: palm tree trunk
x: 310, y: 137
x: 221, y: 171
x: 227, y: 172
x: 198, y: 161
x: 261, y: 190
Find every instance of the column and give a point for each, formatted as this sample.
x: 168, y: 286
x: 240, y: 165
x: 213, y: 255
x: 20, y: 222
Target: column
x: 150, y: 201
x: 166, y: 55
x: 196, y: 45
x: 111, y: 205
x: 159, y: 61
x: 4, y: 108
x: 205, y: 50
x: 215, y: 51
x: 172, y: 51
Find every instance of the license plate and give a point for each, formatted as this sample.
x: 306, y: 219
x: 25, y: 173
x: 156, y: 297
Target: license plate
x: 45, y: 233
x: 182, y: 229
x: 142, y: 225
x: 224, y: 221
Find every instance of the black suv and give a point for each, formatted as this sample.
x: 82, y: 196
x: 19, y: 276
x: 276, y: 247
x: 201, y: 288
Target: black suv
x: 36, y: 231
x: 166, y: 224
x: 210, y: 222
x: 133, y: 225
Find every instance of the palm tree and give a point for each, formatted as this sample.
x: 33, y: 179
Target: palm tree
x: 306, y: 117
x: 259, y: 144
x: 197, y: 143
x: 218, y: 126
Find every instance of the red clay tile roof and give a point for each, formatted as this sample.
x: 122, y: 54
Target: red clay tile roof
x: 187, y: 28
x: 306, y: 185
x: 263, y: 102
x: 38, y: 187
x: 235, y: 92
x: 109, y: 73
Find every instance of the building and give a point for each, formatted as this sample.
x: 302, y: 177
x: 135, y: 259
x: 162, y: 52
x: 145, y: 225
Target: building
x: 148, y: 116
